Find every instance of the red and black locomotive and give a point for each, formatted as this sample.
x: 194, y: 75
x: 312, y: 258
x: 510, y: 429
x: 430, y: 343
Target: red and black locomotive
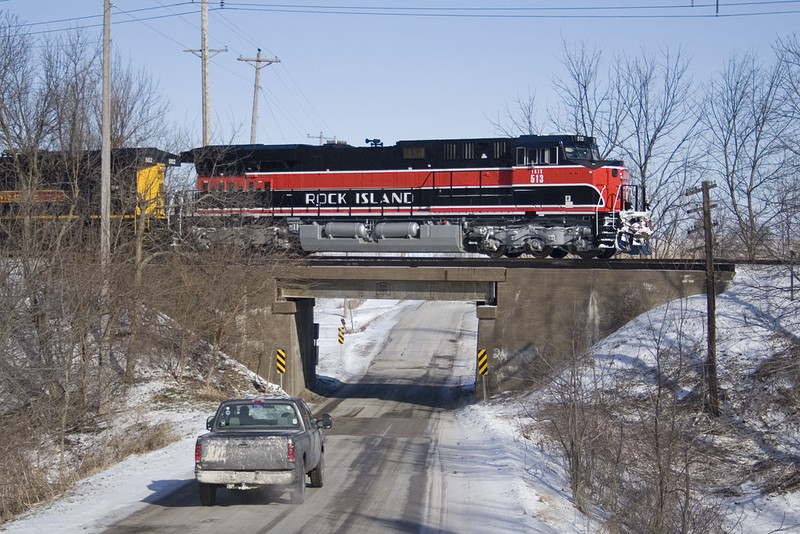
x: 537, y: 195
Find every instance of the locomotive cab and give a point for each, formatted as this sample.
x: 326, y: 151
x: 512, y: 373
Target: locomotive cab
x: 535, y: 150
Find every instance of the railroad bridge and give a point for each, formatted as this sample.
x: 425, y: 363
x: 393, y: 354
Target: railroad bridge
x: 525, y: 309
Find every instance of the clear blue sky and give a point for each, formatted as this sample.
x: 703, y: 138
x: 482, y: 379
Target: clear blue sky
x: 394, y: 69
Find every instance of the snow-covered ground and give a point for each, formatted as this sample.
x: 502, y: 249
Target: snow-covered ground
x: 758, y: 335
x: 750, y: 314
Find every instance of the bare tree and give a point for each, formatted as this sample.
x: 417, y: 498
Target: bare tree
x: 788, y: 51
x: 137, y: 108
x: 23, y: 101
x: 72, y: 78
x: 745, y: 129
x: 519, y: 118
x: 50, y: 309
x: 630, y: 437
x: 640, y: 110
x: 658, y: 132
x: 576, y: 424
x: 590, y: 103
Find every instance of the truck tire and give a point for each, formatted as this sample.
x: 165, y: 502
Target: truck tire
x: 318, y: 472
x: 299, y: 489
x: 208, y: 494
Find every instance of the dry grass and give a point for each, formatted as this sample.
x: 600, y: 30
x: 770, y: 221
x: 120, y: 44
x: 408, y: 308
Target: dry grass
x: 30, y: 474
x: 137, y: 439
x: 22, y: 487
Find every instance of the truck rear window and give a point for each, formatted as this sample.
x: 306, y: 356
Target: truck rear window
x: 258, y: 414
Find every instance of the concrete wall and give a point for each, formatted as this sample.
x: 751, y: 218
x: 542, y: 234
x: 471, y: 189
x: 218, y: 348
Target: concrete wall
x: 543, y: 316
x: 291, y: 329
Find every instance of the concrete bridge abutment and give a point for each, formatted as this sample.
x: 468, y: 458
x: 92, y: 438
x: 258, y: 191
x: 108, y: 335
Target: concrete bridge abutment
x: 294, y: 335
x: 528, y: 317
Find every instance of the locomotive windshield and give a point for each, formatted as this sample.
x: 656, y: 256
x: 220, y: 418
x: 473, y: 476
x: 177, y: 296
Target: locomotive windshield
x: 581, y: 152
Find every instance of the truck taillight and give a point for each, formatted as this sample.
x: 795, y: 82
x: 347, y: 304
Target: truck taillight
x: 198, y: 449
x: 291, y: 451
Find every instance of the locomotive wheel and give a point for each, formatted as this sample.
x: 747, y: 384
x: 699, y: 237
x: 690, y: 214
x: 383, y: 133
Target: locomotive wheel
x: 558, y: 253
x: 606, y: 253
x: 541, y: 254
x: 494, y: 254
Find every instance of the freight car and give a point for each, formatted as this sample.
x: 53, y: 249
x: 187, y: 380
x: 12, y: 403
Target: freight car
x: 66, y: 186
x: 536, y: 195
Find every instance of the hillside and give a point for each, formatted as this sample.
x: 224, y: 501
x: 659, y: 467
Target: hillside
x: 628, y: 417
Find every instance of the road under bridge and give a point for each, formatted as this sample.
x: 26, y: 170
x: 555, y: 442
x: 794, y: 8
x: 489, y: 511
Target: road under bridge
x: 527, y: 310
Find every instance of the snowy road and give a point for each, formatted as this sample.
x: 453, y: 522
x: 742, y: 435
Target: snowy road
x: 396, y: 459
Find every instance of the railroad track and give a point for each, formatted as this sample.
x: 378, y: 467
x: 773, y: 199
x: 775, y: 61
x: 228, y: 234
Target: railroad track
x: 519, y: 263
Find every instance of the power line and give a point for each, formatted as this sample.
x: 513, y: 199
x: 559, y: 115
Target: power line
x: 688, y: 13
x: 555, y: 11
x: 131, y: 14
x: 153, y: 28
x: 237, y: 30
x: 100, y: 24
x: 284, y: 111
x: 186, y: 10
x: 212, y: 11
x: 714, y: 4
x: 91, y: 17
x: 298, y: 90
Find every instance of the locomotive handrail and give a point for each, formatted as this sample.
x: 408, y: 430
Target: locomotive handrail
x: 597, y: 211
x: 616, y: 197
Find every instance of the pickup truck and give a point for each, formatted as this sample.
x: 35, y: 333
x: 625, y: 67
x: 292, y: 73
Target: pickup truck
x: 260, y: 441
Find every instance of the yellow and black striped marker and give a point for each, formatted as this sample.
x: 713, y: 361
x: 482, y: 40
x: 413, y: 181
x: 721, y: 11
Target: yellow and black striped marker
x: 483, y: 362
x: 341, y: 335
x: 280, y: 358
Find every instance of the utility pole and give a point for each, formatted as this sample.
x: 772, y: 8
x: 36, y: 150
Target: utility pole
x: 205, y: 53
x: 105, y: 146
x: 259, y: 63
x: 204, y: 61
x: 710, y: 367
x: 105, y: 214
x: 711, y: 305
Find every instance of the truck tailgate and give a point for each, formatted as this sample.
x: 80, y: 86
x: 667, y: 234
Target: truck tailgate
x: 234, y: 452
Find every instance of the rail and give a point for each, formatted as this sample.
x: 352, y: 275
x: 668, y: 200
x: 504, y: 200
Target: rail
x: 519, y: 263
